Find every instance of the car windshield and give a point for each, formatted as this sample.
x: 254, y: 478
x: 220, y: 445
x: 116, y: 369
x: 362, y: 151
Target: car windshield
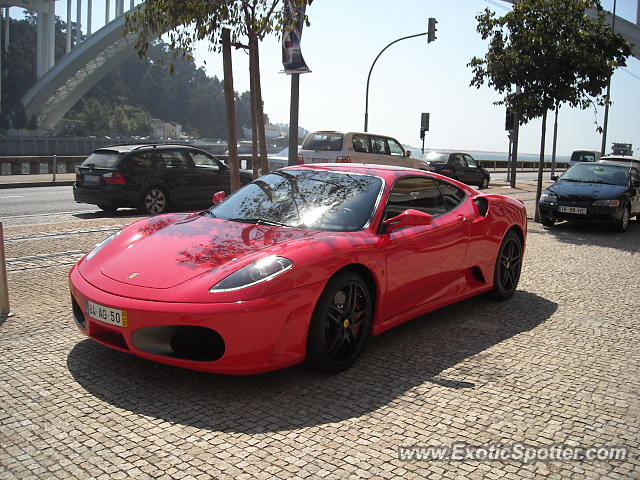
x: 323, y: 141
x: 313, y: 199
x: 102, y: 160
x: 597, y: 173
x: 437, y: 157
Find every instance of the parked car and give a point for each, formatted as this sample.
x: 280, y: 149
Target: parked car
x: 593, y: 192
x: 622, y: 160
x: 151, y: 177
x: 300, y: 265
x: 356, y: 147
x: 459, y: 166
x: 578, y: 156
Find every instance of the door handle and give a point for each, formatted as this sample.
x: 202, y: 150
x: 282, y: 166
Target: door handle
x: 460, y: 218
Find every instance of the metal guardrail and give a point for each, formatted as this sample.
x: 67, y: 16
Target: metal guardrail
x: 54, y: 164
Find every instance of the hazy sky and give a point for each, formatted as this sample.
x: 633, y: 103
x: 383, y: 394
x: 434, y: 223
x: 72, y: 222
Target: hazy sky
x: 413, y: 77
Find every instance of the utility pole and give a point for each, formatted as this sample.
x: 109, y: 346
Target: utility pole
x: 293, y: 118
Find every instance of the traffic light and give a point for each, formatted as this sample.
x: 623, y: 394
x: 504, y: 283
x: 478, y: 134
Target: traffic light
x: 431, y: 31
x: 509, y: 120
x: 424, y: 125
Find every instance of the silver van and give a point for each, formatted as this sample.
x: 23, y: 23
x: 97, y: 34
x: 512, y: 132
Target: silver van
x: 583, y: 156
x: 329, y: 146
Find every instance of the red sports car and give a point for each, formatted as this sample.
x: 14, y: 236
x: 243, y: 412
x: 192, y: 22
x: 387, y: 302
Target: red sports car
x: 302, y: 264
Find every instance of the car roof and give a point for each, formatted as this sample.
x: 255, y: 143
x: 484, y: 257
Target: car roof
x: 605, y: 164
x: 620, y: 158
x: 145, y: 146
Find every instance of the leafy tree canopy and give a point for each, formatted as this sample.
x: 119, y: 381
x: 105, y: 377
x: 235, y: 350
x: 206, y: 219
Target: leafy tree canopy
x: 553, y: 50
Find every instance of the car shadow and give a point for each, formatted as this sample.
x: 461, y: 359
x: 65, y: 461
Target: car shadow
x: 135, y: 213
x: 410, y: 355
x: 599, y: 235
x: 122, y: 212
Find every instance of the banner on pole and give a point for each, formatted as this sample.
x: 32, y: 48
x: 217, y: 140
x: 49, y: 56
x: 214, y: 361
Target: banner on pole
x: 292, y: 59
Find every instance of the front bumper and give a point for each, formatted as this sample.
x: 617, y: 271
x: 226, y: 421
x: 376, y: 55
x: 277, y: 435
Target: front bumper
x: 592, y: 215
x: 243, y: 337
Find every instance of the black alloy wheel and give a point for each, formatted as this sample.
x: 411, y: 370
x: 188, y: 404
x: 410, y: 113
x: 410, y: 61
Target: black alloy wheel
x: 340, y: 324
x: 508, y: 266
x: 154, y: 201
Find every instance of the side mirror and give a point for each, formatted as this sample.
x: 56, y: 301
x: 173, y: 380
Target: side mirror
x: 554, y: 177
x: 407, y: 153
x: 636, y: 183
x: 408, y: 218
x: 218, y: 197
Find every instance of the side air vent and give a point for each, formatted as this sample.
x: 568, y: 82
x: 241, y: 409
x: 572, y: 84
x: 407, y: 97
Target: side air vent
x: 482, y: 204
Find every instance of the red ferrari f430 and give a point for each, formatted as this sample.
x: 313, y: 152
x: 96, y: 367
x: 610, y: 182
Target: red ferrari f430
x: 301, y: 265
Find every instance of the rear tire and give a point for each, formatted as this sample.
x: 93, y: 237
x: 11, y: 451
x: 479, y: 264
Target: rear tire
x: 340, y: 324
x: 508, y: 267
x: 154, y: 201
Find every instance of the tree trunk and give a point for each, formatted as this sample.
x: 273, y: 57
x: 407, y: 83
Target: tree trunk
x: 540, y: 166
x: 255, y: 157
x: 262, y: 143
x: 229, y: 96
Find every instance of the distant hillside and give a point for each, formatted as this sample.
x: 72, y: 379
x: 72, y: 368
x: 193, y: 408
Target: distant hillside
x: 124, y: 102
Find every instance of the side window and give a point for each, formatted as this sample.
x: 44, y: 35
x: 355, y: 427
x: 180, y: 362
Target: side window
x: 174, y: 159
x: 360, y: 143
x: 395, y: 148
x: 202, y: 160
x: 379, y: 146
x: 451, y: 195
x: 470, y: 161
x: 140, y: 161
x: 418, y: 193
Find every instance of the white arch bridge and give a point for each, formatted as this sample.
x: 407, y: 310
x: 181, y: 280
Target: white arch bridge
x: 90, y: 58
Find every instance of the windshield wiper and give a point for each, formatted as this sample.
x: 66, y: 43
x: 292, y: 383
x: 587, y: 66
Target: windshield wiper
x: 258, y: 221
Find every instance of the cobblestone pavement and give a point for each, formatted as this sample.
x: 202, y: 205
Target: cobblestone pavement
x: 556, y: 364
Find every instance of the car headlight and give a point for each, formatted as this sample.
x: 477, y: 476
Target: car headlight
x: 99, y: 246
x: 606, y: 203
x: 259, y: 271
x: 549, y: 198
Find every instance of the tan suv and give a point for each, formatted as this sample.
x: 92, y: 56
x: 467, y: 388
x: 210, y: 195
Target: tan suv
x: 356, y: 147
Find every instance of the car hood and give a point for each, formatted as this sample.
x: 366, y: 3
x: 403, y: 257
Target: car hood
x: 596, y: 191
x: 162, y: 253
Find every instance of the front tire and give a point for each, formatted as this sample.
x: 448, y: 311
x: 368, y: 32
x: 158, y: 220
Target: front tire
x: 508, y: 267
x: 484, y: 183
x: 622, y: 224
x: 340, y: 324
x: 548, y: 222
x: 154, y: 201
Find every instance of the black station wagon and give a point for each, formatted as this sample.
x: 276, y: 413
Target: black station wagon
x: 151, y: 177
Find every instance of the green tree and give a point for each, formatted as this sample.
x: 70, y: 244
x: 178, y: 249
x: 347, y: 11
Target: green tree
x: 554, y: 52
x: 189, y: 21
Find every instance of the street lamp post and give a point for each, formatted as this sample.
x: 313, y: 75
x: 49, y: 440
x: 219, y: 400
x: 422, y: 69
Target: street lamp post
x: 605, y: 125
x: 366, y: 103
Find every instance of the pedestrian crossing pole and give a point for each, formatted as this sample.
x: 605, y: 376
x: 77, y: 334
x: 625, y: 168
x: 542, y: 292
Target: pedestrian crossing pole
x: 5, y: 311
